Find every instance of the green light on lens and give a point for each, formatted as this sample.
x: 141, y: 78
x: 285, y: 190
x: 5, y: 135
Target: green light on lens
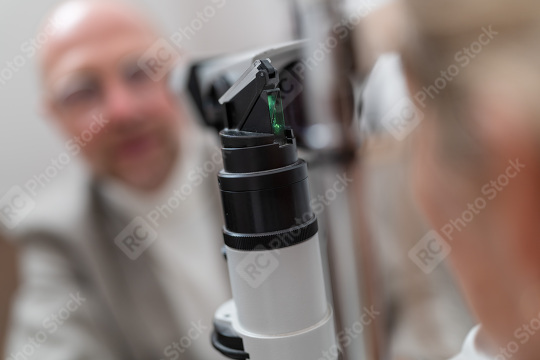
x: 276, y: 114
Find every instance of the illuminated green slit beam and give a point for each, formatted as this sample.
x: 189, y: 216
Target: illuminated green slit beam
x: 276, y: 113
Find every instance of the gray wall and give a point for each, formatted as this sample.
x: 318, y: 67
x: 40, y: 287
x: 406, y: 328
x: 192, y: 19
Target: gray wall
x: 28, y: 142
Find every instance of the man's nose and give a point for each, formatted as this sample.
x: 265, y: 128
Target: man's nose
x: 121, y: 104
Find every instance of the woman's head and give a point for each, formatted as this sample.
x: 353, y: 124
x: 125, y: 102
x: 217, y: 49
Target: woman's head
x: 472, y: 69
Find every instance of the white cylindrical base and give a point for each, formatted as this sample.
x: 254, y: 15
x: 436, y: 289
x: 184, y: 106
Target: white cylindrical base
x: 281, y: 308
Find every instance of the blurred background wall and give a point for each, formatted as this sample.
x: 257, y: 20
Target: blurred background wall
x: 28, y: 143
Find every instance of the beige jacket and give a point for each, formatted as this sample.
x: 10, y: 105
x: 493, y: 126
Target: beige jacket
x: 81, y: 297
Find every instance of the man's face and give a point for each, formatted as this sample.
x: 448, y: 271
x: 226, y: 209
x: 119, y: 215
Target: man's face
x: 126, y: 124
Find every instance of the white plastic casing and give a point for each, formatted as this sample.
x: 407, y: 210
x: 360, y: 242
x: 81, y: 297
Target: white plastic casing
x: 280, y: 308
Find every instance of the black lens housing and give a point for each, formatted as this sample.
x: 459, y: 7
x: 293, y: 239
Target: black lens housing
x: 264, y: 191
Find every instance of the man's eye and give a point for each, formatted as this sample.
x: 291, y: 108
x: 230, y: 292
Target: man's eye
x: 137, y: 75
x: 81, y: 96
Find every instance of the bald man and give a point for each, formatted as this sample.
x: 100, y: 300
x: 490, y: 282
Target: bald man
x: 122, y: 259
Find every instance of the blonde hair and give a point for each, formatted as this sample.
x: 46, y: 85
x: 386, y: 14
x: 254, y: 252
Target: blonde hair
x: 438, y: 29
x: 486, y: 42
